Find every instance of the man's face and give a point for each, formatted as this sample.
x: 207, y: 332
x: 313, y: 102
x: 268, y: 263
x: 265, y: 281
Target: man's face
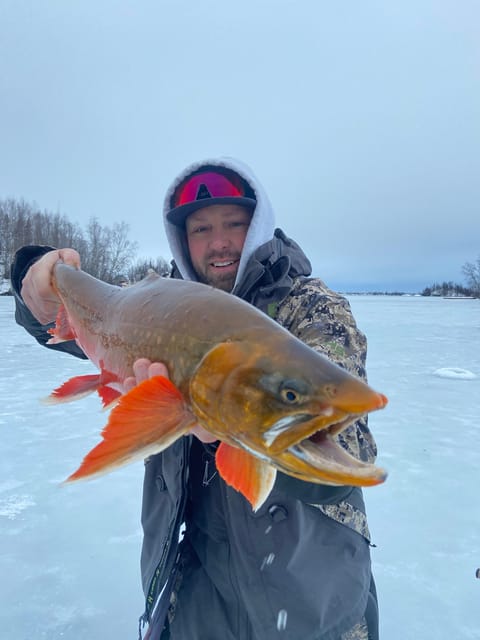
x: 215, y: 236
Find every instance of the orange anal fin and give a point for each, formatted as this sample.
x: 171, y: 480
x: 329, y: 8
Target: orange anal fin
x: 146, y: 420
x: 253, y: 477
x: 63, y: 331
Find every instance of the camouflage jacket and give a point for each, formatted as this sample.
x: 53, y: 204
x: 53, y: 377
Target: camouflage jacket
x: 322, y: 319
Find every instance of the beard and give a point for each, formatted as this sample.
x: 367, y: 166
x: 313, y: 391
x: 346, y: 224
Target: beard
x: 225, y: 282
x: 214, y: 276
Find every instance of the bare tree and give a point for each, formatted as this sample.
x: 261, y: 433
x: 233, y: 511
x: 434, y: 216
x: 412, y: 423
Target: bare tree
x: 108, y: 252
x: 93, y: 255
x: 471, y: 271
x: 122, y: 250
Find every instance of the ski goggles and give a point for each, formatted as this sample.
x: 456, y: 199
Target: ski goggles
x: 209, y: 184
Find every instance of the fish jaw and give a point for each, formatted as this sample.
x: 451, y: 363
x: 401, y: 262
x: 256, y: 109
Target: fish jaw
x: 308, y: 448
x: 330, y: 463
x: 321, y: 458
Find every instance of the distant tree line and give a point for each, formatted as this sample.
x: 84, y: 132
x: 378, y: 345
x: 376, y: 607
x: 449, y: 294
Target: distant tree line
x: 446, y: 289
x: 471, y: 271
x: 106, y: 252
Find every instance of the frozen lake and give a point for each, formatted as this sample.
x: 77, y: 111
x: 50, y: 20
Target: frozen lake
x: 69, y: 559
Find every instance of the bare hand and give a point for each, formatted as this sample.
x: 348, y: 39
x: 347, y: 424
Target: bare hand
x: 144, y: 369
x: 37, y: 290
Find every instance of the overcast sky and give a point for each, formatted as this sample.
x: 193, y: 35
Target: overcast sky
x: 362, y: 119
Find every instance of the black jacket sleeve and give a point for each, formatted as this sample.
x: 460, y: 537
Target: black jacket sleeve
x: 23, y: 260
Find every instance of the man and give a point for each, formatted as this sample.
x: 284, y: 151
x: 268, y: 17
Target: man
x: 299, y: 567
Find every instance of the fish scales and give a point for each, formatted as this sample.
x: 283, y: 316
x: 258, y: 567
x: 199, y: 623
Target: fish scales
x: 182, y: 334
x: 272, y: 401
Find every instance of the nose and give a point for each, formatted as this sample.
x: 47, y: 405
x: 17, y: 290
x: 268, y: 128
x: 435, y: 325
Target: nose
x: 219, y: 240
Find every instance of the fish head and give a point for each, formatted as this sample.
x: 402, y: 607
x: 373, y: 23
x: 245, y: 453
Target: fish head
x: 285, y: 403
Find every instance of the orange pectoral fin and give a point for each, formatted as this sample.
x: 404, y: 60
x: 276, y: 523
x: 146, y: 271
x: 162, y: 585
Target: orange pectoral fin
x: 146, y: 420
x: 62, y: 332
x: 253, y: 477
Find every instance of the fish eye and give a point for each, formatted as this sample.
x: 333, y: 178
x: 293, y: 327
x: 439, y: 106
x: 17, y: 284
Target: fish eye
x: 289, y: 395
x: 285, y: 389
x: 293, y: 391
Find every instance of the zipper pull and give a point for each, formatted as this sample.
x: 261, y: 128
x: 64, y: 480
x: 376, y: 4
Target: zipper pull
x: 206, y: 479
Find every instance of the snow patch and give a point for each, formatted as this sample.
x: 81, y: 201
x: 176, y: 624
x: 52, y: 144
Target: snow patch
x: 13, y: 506
x: 454, y: 373
x: 10, y: 484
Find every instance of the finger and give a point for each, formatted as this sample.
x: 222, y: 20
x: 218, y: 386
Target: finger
x: 140, y: 369
x: 129, y: 383
x: 202, y: 434
x: 157, y: 369
x: 70, y: 256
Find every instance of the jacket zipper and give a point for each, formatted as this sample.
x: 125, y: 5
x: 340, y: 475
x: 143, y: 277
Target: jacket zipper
x: 174, y: 530
x: 233, y: 581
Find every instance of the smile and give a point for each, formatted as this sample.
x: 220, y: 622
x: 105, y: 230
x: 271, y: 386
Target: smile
x: 225, y: 263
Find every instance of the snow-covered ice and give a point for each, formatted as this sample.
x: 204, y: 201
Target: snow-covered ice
x: 69, y: 557
x: 69, y: 554
x: 425, y: 519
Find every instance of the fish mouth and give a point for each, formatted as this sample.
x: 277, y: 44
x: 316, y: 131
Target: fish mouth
x: 296, y: 428
x: 317, y: 455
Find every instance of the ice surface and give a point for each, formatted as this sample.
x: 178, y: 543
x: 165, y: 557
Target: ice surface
x: 70, y: 554
x: 425, y: 520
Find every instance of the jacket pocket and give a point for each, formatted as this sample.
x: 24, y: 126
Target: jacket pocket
x: 348, y: 515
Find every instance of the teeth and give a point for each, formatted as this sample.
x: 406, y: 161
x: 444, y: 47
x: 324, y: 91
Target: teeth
x: 223, y: 264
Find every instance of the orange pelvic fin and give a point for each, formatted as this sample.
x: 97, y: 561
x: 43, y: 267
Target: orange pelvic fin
x: 81, y: 386
x: 146, y: 420
x: 62, y: 331
x: 74, y: 389
x: 245, y: 473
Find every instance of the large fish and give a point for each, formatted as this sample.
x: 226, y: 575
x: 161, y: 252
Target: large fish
x: 272, y: 401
